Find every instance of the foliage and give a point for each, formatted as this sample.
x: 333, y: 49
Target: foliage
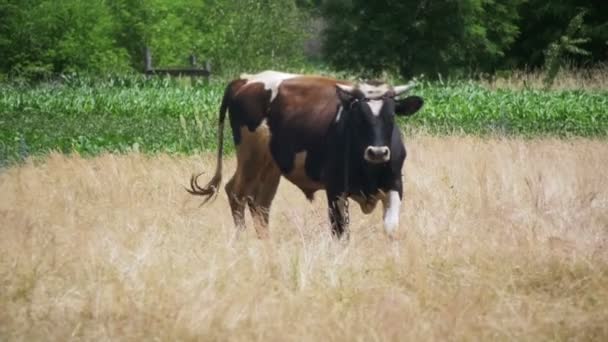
x: 543, y: 22
x: 416, y: 36
x: 132, y: 113
x: 257, y: 35
x: 567, y: 44
x: 43, y: 37
x: 117, y: 115
x: 455, y: 37
x: 467, y: 107
x: 40, y: 37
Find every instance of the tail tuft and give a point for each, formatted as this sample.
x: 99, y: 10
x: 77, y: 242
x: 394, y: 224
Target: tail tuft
x: 209, y: 191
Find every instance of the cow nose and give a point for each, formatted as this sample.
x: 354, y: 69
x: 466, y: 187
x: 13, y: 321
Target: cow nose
x: 377, y: 154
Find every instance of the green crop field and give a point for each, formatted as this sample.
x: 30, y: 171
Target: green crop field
x: 164, y: 115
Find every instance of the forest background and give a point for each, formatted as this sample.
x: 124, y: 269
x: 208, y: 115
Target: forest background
x: 40, y: 39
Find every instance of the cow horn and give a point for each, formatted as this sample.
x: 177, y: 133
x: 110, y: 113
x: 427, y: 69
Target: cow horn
x: 403, y: 88
x: 346, y: 88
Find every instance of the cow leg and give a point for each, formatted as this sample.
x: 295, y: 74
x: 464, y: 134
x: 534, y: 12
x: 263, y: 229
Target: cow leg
x: 239, y: 189
x: 338, y: 214
x: 252, y: 160
x: 260, y: 203
x: 392, y: 205
x: 237, y: 205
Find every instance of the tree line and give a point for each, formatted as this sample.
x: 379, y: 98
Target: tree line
x: 40, y: 38
x: 463, y: 36
x: 45, y: 37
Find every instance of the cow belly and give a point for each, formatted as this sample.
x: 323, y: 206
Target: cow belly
x: 299, y: 177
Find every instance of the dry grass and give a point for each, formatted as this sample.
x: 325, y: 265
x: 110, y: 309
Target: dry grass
x: 501, y: 239
x: 594, y: 78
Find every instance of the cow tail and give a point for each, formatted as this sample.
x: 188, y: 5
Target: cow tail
x: 211, y: 190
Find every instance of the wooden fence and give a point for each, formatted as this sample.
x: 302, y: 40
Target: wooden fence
x: 193, y: 71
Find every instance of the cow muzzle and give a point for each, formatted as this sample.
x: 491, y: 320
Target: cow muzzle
x: 377, y: 154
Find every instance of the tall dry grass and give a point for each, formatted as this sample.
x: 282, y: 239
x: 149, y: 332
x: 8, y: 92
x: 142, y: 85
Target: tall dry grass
x: 500, y: 239
x: 569, y: 78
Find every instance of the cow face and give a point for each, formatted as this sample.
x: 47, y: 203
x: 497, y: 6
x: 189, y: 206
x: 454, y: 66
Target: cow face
x: 370, y: 111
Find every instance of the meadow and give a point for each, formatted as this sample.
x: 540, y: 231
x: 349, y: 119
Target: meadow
x: 503, y: 234
x: 501, y: 239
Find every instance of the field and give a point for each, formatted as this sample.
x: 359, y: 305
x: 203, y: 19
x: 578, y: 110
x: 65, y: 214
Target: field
x: 504, y: 226
x: 125, y: 114
x: 500, y: 239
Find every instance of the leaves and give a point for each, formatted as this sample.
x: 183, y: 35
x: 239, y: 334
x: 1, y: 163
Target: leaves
x: 39, y: 38
x: 544, y: 22
x: 566, y: 44
x: 431, y: 37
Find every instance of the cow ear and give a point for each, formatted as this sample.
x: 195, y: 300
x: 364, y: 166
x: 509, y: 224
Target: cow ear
x: 346, y: 93
x: 408, y: 106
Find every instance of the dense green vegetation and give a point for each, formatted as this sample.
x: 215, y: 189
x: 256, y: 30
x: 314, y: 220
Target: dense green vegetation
x: 460, y: 37
x: 118, y: 115
x: 469, y: 108
x: 170, y: 115
x: 42, y: 38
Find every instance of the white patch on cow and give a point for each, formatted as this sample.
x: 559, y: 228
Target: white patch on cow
x: 375, y: 106
x: 271, y: 80
x: 392, y: 204
x: 339, y: 115
x: 373, y: 91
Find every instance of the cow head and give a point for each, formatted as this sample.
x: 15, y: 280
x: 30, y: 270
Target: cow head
x: 370, y: 110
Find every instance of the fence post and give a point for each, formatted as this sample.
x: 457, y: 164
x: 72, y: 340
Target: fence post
x: 147, y: 60
x: 208, y: 68
x: 193, y: 66
x: 193, y: 71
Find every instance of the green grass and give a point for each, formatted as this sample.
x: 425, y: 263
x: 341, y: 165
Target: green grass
x: 162, y: 115
x: 154, y: 116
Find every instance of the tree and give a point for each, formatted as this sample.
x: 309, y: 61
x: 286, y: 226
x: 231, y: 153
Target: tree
x: 419, y: 36
x: 568, y: 44
x: 254, y: 35
x: 39, y: 37
x: 543, y: 22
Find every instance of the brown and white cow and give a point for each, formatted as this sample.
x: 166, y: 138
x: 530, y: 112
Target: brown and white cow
x: 319, y: 133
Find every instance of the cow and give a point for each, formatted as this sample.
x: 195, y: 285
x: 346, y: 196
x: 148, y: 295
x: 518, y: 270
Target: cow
x: 321, y: 134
